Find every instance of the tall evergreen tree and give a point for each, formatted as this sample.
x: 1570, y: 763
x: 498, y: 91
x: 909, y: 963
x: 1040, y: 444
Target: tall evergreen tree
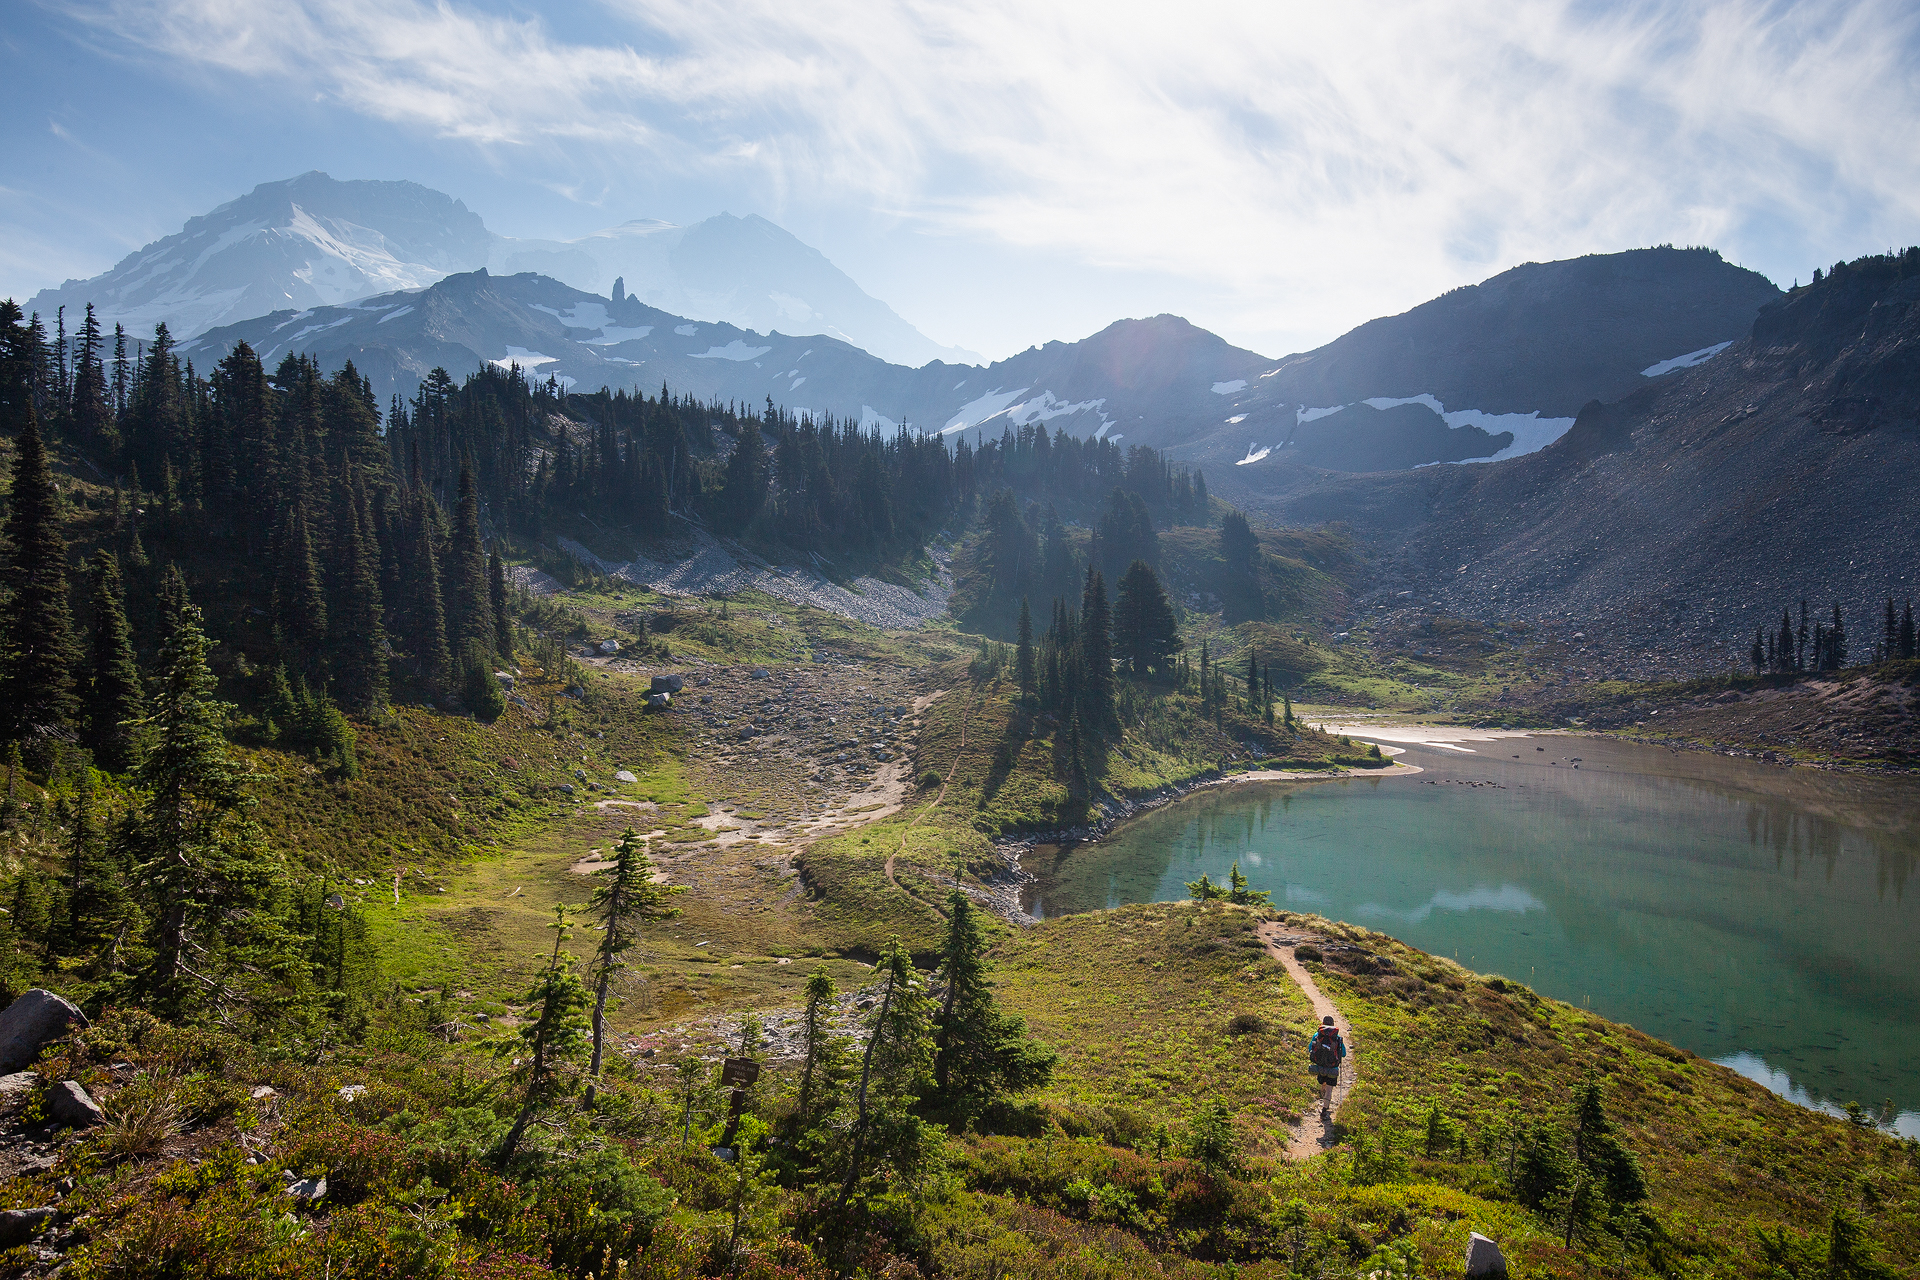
x: 114, y: 698
x: 554, y: 1036
x: 1907, y: 632
x: 357, y: 648
x: 92, y: 416
x: 472, y: 621
x: 1023, y: 654
x: 980, y: 1051
x: 1096, y: 648
x: 893, y: 1073
x: 36, y: 626
x: 299, y: 597
x: 195, y: 854
x: 497, y: 601
x: 1145, y: 635
x: 425, y: 613
x: 1240, y: 556
x: 625, y: 900
x: 743, y: 485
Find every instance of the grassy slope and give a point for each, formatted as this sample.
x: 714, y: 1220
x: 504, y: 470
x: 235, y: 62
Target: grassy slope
x: 1137, y: 1000
x: 1722, y: 1154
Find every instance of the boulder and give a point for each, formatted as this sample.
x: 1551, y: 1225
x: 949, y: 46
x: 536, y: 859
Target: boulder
x: 314, y: 1188
x: 1484, y: 1257
x: 624, y: 775
x: 69, y: 1104
x: 30, y: 1022
x: 17, y: 1226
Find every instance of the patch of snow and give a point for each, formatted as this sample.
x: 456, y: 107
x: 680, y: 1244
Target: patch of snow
x: 1531, y: 432
x: 869, y: 419
x: 1228, y: 388
x: 1115, y: 436
x: 292, y: 319
x: 524, y: 358
x: 1390, y: 402
x: 613, y: 335
x: 1238, y: 417
x: 393, y: 315
x: 978, y: 410
x: 960, y: 384
x: 796, y: 385
x: 1304, y: 414
x: 735, y: 350
x: 1255, y: 452
x: 1686, y: 361
x: 685, y: 330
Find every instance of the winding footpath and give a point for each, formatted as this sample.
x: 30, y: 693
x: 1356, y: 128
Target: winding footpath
x: 942, y: 795
x: 1315, y: 1135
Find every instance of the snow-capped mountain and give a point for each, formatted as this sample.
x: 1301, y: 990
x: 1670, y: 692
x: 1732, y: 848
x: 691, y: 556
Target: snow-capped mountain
x: 309, y: 241
x: 313, y: 241
x: 1483, y: 373
x: 745, y: 272
x: 1132, y: 376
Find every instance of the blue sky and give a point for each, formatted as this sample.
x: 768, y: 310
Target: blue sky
x: 1004, y: 172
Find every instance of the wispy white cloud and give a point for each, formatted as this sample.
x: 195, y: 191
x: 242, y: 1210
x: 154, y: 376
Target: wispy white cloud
x: 1308, y: 166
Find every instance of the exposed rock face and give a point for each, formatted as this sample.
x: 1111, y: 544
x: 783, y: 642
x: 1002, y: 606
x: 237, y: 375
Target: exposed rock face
x: 30, y: 1022
x: 69, y: 1104
x: 1670, y: 523
x: 17, y: 1226
x: 1484, y: 1257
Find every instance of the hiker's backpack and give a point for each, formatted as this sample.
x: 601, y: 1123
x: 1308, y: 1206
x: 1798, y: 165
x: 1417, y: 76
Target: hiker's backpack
x: 1321, y: 1053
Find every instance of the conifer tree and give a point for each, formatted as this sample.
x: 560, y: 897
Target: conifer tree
x: 357, y: 643
x: 196, y: 855
x: 1096, y: 650
x: 91, y: 416
x: 1023, y: 654
x: 893, y: 1072
x: 1907, y: 632
x: 554, y: 1037
x: 1145, y: 635
x: 743, y: 487
x: 426, y: 619
x: 36, y: 627
x: 822, y: 1057
x: 114, y: 698
x: 473, y: 638
x: 980, y: 1051
x: 497, y: 602
x: 624, y: 901
x: 299, y: 599
x: 1240, y: 556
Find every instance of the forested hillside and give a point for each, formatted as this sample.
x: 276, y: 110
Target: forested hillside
x: 416, y: 937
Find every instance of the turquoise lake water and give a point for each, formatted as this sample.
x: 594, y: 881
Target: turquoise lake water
x: 1764, y: 917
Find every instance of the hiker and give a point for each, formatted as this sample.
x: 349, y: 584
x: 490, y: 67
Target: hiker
x: 1325, y: 1052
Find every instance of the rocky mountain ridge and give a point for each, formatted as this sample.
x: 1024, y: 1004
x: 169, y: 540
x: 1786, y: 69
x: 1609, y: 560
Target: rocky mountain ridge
x: 1665, y: 526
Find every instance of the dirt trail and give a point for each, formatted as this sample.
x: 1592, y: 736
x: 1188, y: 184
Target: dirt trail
x: 1314, y: 1135
x: 942, y: 795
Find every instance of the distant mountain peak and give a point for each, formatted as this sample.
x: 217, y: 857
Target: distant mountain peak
x: 315, y: 240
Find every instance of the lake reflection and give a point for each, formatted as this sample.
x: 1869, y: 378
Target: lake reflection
x: 1756, y: 915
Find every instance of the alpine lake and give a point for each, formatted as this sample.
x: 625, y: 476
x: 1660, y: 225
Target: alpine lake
x: 1763, y: 916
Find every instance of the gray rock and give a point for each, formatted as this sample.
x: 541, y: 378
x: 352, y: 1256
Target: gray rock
x: 69, y: 1104
x: 1484, y: 1257
x: 17, y: 1226
x: 30, y: 1022
x: 306, y: 1188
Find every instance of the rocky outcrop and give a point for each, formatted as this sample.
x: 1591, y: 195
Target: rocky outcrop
x: 30, y: 1022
